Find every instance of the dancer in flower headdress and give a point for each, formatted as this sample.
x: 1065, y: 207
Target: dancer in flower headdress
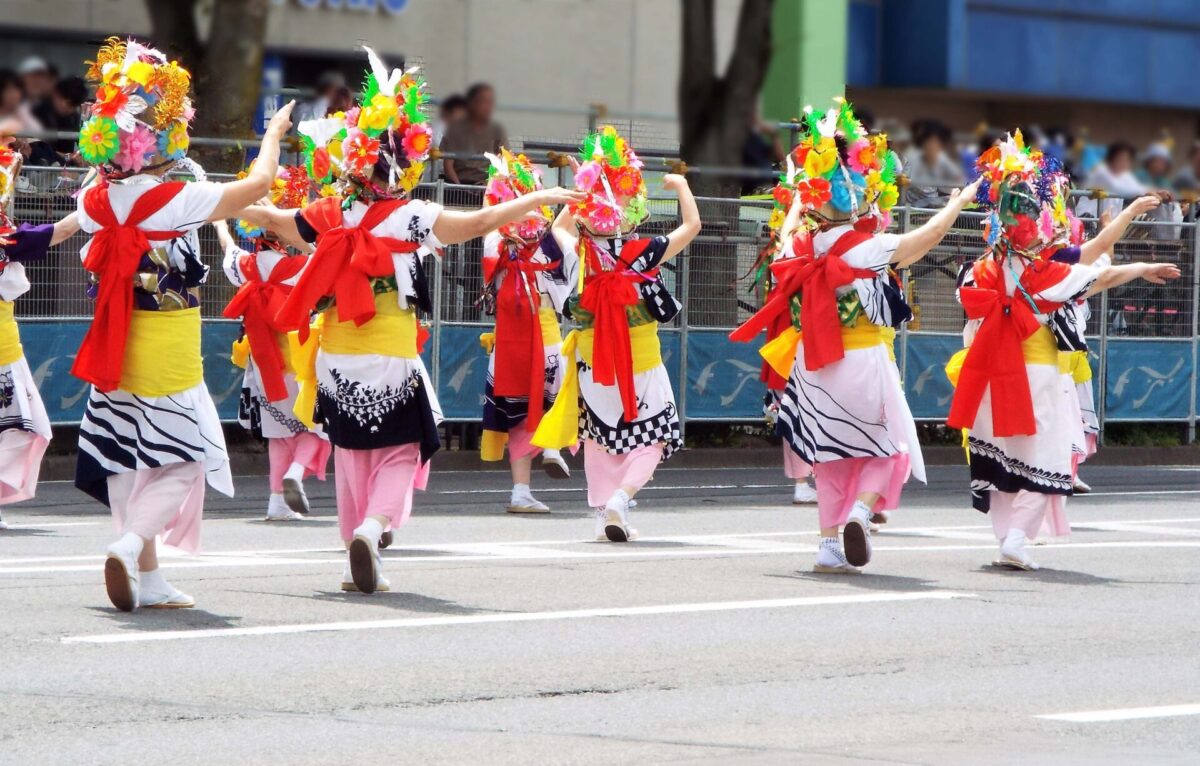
x: 616, y: 388
x: 373, y: 395
x: 527, y: 280
x: 24, y: 425
x: 150, y: 435
x: 1025, y: 427
x: 843, y: 409
x: 264, y: 277
x: 804, y: 492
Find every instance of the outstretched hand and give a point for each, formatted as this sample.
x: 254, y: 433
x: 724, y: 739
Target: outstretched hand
x: 557, y: 195
x: 1161, y: 273
x: 966, y: 195
x: 281, y: 121
x: 674, y: 182
x: 1145, y: 204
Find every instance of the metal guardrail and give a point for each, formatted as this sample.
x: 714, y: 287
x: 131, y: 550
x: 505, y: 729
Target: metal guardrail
x: 709, y: 277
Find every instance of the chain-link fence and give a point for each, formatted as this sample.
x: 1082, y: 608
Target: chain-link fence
x: 1144, y: 336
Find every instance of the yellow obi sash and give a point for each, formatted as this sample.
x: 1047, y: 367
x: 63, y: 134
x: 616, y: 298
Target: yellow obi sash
x: 240, y: 352
x: 780, y: 352
x: 1076, y: 364
x: 10, y: 336
x: 560, y: 426
x: 551, y: 332
x: 1038, y: 348
x: 392, y: 331
x: 162, y: 353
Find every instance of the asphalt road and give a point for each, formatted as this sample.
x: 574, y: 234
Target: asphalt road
x: 515, y: 640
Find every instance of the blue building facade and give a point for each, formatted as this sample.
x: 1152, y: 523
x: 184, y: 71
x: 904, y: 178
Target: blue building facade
x: 1137, y: 52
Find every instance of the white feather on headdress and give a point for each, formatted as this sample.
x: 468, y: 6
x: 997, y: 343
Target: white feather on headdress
x: 387, y: 82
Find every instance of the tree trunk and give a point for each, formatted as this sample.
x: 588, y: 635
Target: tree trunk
x: 225, y: 68
x: 715, y: 116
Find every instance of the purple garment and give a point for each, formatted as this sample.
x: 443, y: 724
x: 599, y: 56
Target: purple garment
x: 1070, y: 255
x: 29, y: 243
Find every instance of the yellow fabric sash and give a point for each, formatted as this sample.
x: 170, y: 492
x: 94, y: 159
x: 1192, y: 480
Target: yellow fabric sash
x: 10, y: 336
x: 303, y: 357
x: 560, y: 426
x: 240, y: 353
x: 162, y: 353
x: 1076, y: 364
x: 392, y: 332
x: 780, y: 352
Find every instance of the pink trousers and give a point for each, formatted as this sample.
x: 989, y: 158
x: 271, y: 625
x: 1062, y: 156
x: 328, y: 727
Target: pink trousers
x: 1026, y: 511
x: 153, y: 501
x: 794, y: 466
x: 376, y: 482
x: 520, y: 443
x: 840, y: 482
x: 307, y: 449
x: 606, y: 473
x: 20, y: 462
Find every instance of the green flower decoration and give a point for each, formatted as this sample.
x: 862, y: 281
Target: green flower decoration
x: 99, y: 140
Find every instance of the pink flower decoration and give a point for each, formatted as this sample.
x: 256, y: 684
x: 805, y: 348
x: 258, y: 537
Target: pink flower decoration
x: 587, y: 176
x: 634, y: 160
x: 500, y: 191
x: 604, y: 218
x: 856, y: 161
x: 418, y: 139
x: 137, y: 146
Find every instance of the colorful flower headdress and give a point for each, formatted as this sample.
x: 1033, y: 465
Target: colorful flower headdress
x: 841, y: 172
x: 388, y: 124
x: 141, y: 113
x: 611, y: 175
x: 511, y: 176
x: 10, y: 168
x: 290, y: 191
x: 1025, y: 194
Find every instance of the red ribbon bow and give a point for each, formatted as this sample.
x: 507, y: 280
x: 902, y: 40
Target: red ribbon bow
x: 995, y: 357
x: 520, y: 368
x: 113, y: 256
x: 818, y: 278
x: 257, y: 302
x: 342, y: 266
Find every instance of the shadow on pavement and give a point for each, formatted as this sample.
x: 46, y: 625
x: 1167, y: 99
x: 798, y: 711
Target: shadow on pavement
x: 866, y: 581
x: 1056, y: 576
x: 409, y: 602
x: 151, y: 620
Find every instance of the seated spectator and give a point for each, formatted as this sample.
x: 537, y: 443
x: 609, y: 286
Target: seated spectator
x: 64, y: 115
x: 451, y: 109
x: 328, y: 85
x: 931, y: 172
x: 1156, y: 167
x: 1188, y: 179
x: 476, y: 133
x: 38, y: 78
x: 762, y: 150
x: 1116, y: 177
x: 13, y: 104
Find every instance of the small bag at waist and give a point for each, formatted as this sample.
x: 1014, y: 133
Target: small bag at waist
x: 162, y: 353
x: 391, y: 332
x: 10, y: 336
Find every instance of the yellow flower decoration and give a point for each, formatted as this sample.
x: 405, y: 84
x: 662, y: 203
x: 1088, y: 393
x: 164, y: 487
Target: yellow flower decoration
x: 412, y: 176
x: 776, y: 219
x: 140, y: 72
x: 328, y: 190
x: 888, y: 196
x: 821, y: 159
x: 377, y: 115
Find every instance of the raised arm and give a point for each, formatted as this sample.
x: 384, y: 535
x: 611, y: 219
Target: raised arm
x: 1113, y: 231
x: 281, y: 222
x: 689, y: 215
x: 64, y: 228
x: 243, y: 192
x: 788, y: 229
x: 224, y: 238
x: 916, y: 244
x: 1115, y: 276
x: 454, y: 226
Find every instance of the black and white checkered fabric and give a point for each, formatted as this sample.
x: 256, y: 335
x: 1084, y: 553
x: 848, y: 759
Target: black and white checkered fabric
x: 662, y: 428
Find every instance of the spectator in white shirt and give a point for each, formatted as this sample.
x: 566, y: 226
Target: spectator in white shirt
x: 931, y: 172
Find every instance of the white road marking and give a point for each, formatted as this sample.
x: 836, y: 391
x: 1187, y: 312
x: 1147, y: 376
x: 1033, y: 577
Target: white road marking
x: 1132, y: 493
x: 55, y: 524
x: 1125, y: 714
x: 478, y: 619
x: 581, y: 490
